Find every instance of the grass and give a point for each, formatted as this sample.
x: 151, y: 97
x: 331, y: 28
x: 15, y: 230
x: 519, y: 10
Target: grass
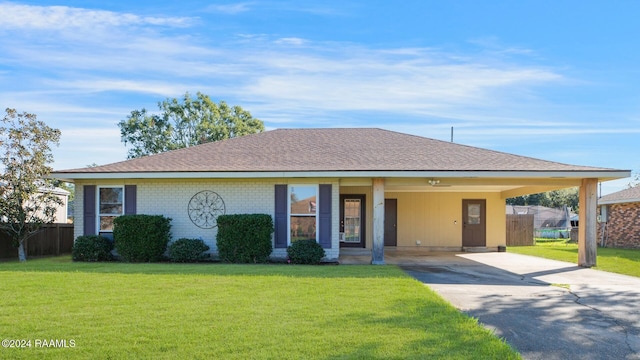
x: 203, y: 311
x: 621, y: 261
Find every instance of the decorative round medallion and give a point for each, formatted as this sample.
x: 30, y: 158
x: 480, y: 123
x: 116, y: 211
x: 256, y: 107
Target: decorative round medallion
x: 204, y: 208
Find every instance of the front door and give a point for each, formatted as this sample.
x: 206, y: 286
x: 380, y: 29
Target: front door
x: 474, y: 223
x: 352, y: 221
x: 390, y: 222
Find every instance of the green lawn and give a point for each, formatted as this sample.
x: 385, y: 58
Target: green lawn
x: 203, y: 311
x: 621, y: 261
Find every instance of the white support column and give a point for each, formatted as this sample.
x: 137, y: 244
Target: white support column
x: 587, y: 237
x: 377, y: 255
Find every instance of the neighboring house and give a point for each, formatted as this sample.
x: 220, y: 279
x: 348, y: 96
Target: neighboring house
x: 547, y: 222
x: 62, y: 209
x: 365, y: 188
x: 619, y: 219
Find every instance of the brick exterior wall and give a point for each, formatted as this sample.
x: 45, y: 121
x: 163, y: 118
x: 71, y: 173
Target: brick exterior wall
x: 171, y: 198
x: 623, y: 227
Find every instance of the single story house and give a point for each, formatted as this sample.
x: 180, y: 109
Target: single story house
x: 619, y: 219
x: 347, y: 188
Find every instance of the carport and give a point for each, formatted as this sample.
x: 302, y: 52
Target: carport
x: 435, y: 213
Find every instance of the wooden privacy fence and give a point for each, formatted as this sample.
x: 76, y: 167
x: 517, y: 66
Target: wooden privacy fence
x: 53, y: 239
x: 520, y: 230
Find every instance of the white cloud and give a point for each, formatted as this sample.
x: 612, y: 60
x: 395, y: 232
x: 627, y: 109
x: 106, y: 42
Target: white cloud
x: 317, y: 77
x: 93, y: 59
x: 291, y: 41
x: 408, y: 82
x: 277, y: 6
x: 230, y: 9
x: 16, y: 16
x: 159, y: 88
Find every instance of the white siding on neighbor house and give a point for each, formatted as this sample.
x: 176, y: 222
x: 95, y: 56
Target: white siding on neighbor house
x: 171, y: 198
x: 61, y: 210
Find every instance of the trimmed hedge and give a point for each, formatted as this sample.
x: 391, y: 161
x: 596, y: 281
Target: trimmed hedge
x: 141, y: 238
x: 92, y: 248
x: 188, y: 250
x: 305, y: 252
x: 244, y: 238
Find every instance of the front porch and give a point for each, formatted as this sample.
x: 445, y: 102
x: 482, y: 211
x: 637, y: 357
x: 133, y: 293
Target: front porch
x: 402, y: 256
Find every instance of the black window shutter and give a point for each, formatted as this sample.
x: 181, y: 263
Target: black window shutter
x: 280, y: 231
x: 325, y: 216
x: 130, y: 199
x: 89, y: 209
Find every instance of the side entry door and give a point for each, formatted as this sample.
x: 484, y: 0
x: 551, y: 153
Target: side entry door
x: 474, y: 223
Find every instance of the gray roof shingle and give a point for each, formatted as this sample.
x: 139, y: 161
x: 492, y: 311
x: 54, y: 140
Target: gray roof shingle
x: 622, y: 196
x: 334, y: 149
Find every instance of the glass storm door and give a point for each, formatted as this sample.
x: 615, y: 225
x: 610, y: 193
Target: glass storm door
x: 352, y: 218
x: 352, y: 221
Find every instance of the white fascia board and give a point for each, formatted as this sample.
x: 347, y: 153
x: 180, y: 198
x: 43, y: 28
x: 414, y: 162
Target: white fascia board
x: 608, y: 175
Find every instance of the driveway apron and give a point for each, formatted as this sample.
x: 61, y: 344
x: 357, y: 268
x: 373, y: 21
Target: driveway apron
x: 545, y: 309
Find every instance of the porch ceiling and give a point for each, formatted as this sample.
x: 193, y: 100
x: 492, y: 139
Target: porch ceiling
x: 507, y: 187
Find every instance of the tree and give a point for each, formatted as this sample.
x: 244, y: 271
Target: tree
x: 553, y: 199
x: 569, y: 197
x: 183, y: 123
x: 26, y: 198
x: 518, y: 200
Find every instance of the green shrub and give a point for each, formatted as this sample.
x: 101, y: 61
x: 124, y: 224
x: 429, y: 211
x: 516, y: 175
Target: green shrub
x: 244, y: 238
x: 92, y: 248
x: 141, y: 238
x: 305, y: 252
x: 188, y: 250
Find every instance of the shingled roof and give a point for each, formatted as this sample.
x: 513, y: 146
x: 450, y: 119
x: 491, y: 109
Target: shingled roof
x: 622, y: 196
x: 345, y: 149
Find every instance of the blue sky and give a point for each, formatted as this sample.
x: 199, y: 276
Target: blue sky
x: 557, y: 80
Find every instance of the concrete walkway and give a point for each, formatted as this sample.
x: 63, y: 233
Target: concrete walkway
x: 545, y: 309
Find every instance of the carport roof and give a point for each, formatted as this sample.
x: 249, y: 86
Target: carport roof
x: 334, y: 150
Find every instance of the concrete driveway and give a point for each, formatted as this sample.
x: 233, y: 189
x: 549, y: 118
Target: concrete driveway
x: 545, y: 309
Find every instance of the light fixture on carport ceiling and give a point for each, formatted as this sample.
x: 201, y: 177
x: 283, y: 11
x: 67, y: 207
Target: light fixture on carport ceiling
x: 436, y: 183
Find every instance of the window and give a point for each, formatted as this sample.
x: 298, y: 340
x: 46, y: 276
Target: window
x: 473, y: 214
x: 302, y: 212
x: 110, y: 206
